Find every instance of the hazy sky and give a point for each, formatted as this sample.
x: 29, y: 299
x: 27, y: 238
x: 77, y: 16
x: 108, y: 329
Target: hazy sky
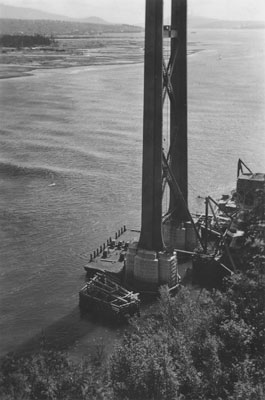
x: 132, y: 11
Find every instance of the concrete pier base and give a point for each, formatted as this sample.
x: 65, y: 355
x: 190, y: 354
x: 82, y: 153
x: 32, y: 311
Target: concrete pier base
x: 191, y: 237
x: 146, y: 270
x: 180, y: 237
x: 146, y: 267
x: 168, y: 268
x: 129, y: 262
x: 174, y: 236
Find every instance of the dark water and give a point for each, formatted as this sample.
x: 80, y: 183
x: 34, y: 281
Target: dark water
x: 70, y: 171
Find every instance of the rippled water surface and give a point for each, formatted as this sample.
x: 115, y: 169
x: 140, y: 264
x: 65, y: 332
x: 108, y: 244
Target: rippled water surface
x: 70, y: 170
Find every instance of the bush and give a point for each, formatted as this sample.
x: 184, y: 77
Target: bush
x: 208, y: 348
x: 48, y: 375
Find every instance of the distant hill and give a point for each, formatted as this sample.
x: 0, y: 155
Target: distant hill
x: 211, y: 23
x: 11, y: 12
x: 195, y: 22
x: 94, y: 20
x: 30, y: 21
x: 55, y: 28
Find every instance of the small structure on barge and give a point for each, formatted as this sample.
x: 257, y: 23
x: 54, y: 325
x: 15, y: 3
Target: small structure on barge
x: 105, y: 296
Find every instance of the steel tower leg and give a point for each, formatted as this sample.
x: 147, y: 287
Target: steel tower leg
x: 178, y: 109
x: 151, y: 237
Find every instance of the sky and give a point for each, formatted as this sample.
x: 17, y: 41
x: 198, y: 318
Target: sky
x: 132, y: 11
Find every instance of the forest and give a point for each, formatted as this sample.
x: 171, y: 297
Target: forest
x: 20, y: 41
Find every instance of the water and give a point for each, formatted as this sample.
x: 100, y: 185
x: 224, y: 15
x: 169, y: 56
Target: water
x: 70, y: 171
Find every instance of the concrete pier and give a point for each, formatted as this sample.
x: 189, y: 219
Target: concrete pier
x: 146, y: 270
x: 179, y: 236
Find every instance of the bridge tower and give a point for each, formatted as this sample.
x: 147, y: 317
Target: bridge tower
x: 152, y: 261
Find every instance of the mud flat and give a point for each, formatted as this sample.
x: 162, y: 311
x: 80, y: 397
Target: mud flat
x: 14, y: 71
x: 75, y: 52
x: 71, y: 51
x: 22, y: 64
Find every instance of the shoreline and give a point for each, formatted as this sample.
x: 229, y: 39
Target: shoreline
x: 9, y: 75
x: 18, y: 69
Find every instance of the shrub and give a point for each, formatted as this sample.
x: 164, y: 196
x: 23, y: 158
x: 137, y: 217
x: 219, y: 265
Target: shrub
x: 211, y: 347
x: 48, y: 375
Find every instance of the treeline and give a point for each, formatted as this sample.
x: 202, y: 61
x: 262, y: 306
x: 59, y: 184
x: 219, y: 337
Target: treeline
x: 19, y: 41
x: 194, y: 346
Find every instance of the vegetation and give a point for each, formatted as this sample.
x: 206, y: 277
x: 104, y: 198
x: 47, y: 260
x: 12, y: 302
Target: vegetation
x: 211, y: 347
x: 208, y: 348
x: 194, y: 346
x: 51, y: 375
x: 19, y: 41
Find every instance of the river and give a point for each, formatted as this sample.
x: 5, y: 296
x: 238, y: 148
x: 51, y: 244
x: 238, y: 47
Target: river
x: 70, y: 172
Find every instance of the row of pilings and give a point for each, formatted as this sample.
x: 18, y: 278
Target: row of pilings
x: 110, y: 243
